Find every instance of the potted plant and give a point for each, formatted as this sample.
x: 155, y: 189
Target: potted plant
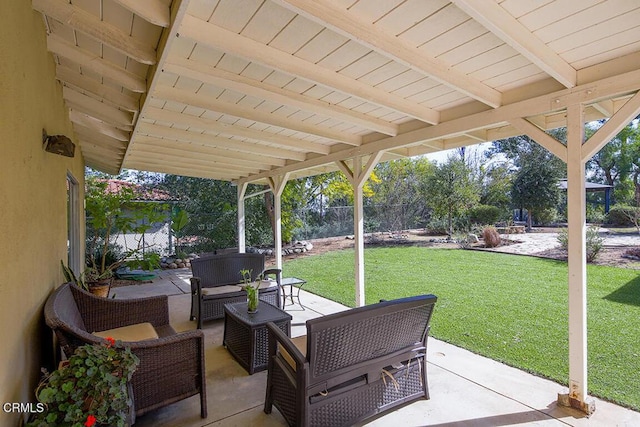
x: 111, y: 212
x: 89, y: 280
x: 252, y: 290
x: 92, y: 388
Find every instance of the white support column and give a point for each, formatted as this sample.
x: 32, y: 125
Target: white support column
x: 577, y: 262
x: 242, y: 245
x: 277, y: 184
x: 357, y: 176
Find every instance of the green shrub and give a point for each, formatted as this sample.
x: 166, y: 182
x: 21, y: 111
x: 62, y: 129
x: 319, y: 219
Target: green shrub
x: 621, y: 215
x: 546, y: 216
x: 484, y: 214
x: 594, y: 242
x: 491, y: 237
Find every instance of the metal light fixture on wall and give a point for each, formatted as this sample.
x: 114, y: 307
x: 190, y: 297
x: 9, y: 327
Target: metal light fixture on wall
x: 58, y: 144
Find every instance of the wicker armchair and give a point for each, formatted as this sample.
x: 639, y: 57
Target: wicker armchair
x: 215, y: 279
x: 352, y: 365
x: 171, y: 367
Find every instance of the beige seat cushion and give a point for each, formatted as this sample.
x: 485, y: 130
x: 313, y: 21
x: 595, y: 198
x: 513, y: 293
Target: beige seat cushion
x: 218, y: 290
x: 301, y: 344
x: 137, y: 332
x: 267, y: 283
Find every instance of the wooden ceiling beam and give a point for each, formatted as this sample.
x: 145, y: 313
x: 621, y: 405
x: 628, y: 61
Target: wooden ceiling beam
x: 216, y: 141
x: 97, y: 29
x: 178, y: 149
x: 190, y: 98
x: 235, y: 44
x: 96, y: 108
x: 96, y: 64
x: 80, y: 118
x: 355, y: 27
x: 226, y: 80
x: 154, y: 11
x: 179, y: 170
x: 113, y: 96
x: 159, y: 114
x: 202, y: 162
x: 501, y: 23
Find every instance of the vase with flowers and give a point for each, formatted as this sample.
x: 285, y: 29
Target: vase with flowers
x: 91, y: 389
x: 252, y: 290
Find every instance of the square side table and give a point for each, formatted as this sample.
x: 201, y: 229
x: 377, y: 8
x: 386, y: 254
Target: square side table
x: 246, y: 336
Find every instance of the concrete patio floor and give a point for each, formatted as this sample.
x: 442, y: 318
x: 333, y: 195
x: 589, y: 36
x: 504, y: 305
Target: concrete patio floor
x: 466, y: 389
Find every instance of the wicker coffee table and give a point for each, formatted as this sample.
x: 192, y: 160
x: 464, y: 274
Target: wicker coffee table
x: 245, y: 335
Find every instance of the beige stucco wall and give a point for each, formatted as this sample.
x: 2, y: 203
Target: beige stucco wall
x: 33, y: 213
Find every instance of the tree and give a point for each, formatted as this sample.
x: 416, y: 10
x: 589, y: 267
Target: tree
x: 451, y: 190
x: 397, y: 202
x: 535, y: 186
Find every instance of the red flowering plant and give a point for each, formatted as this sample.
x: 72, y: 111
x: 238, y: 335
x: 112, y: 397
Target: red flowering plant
x: 90, y: 390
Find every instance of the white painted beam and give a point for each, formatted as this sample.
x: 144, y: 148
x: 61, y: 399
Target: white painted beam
x: 242, y: 235
x: 610, y: 129
x: 577, y: 264
x: 277, y: 184
x: 82, y: 119
x: 96, y: 64
x: 236, y: 44
x: 98, y: 109
x: 190, y: 98
x: 355, y: 27
x: 154, y: 11
x: 159, y: 131
x: 554, y: 146
x: 501, y: 23
x: 154, y: 113
x: 226, y: 80
x: 97, y: 29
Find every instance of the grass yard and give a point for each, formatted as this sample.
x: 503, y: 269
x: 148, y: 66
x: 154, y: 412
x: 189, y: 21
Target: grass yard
x: 510, y: 308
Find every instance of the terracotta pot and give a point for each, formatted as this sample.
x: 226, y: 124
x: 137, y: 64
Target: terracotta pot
x: 100, y: 288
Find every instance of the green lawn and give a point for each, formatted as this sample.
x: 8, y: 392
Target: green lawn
x: 507, y: 307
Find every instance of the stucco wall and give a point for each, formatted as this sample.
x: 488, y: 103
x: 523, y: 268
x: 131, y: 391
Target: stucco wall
x: 33, y: 212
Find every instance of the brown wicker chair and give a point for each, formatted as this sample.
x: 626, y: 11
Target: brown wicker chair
x: 358, y: 363
x: 223, y: 271
x: 171, y: 367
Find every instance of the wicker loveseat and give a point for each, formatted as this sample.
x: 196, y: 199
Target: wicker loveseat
x: 215, y: 283
x: 352, y: 365
x: 172, y: 366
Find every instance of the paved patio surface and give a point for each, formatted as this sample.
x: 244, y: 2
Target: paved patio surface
x: 466, y: 389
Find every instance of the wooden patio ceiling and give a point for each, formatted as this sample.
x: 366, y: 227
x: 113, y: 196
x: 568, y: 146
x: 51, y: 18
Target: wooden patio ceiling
x: 243, y: 90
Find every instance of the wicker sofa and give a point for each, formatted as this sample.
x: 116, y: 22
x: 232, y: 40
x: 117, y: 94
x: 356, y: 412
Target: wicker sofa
x: 351, y: 365
x: 172, y: 366
x: 215, y: 283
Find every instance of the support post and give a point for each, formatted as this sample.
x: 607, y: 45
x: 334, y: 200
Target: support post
x: 277, y: 184
x: 242, y: 245
x: 357, y: 176
x: 577, y: 263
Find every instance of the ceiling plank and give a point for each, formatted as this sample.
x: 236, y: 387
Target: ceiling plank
x: 96, y: 64
x: 154, y: 113
x: 190, y: 98
x: 97, y: 29
x: 236, y: 44
x: 353, y: 26
x: 154, y: 11
x: 97, y: 108
x: 225, y: 79
x: 98, y: 138
x: 198, y: 151
x: 184, y: 171
x: 80, y: 118
x: 501, y: 23
x: 202, y: 162
x: 216, y: 141
x: 117, y: 98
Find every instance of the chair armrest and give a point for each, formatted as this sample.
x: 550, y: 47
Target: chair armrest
x: 276, y: 336
x: 275, y: 271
